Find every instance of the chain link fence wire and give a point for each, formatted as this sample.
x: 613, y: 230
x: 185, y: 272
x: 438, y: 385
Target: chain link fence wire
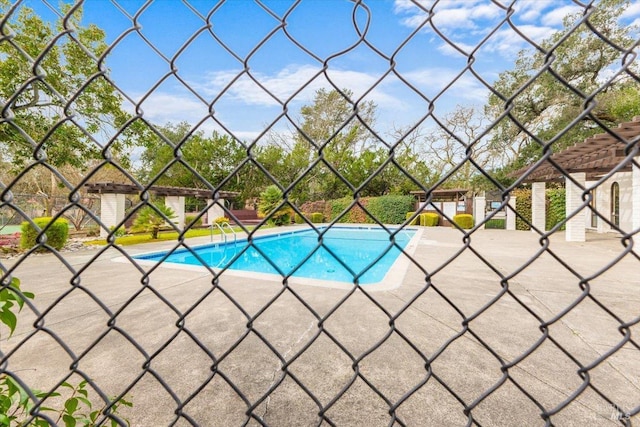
x: 487, y: 327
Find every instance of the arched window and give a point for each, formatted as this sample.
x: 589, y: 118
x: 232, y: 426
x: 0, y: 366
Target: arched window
x: 615, y: 204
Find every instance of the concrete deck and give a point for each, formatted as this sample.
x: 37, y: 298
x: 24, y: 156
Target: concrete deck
x: 182, y: 321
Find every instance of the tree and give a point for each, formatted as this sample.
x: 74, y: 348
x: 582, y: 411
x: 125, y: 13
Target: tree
x: 44, y: 123
x: 547, y: 106
x: 269, y: 205
x: 333, y: 127
x: 447, y: 148
x: 213, y: 158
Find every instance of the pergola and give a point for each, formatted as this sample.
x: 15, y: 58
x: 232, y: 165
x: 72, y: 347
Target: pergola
x: 589, y: 160
x: 447, y: 200
x: 441, y: 194
x: 112, y: 201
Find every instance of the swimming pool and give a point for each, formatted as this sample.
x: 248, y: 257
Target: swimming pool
x: 355, y: 247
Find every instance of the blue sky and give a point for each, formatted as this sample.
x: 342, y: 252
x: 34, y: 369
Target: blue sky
x: 325, y: 28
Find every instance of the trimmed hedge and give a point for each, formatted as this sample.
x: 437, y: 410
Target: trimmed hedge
x: 464, y: 221
x: 57, y: 233
x: 335, y: 208
x: 416, y: 220
x: 555, y: 207
x: 189, y: 218
x: 429, y: 219
x: 298, y: 219
x: 390, y: 209
x: 496, y: 223
x: 221, y: 220
x: 316, y: 217
x: 523, y: 207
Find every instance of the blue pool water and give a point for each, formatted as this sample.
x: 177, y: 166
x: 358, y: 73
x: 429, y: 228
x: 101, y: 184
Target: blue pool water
x: 355, y: 247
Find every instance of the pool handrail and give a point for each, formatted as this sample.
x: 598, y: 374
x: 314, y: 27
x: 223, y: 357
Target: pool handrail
x: 223, y: 234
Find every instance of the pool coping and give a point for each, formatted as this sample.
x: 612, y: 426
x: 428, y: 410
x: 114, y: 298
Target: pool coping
x: 393, y: 278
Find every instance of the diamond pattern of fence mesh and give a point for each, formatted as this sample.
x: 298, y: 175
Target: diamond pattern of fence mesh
x: 474, y: 324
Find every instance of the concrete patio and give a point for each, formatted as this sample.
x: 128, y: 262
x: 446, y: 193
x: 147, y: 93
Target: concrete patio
x: 378, y: 340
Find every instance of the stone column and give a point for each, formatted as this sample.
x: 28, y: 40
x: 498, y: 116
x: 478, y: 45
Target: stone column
x: 479, y: 205
x: 538, y: 208
x: 176, y: 203
x: 511, y: 213
x: 635, y: 195
x: 214, y: 211
x: 111, y: 211
x: 576, y: 230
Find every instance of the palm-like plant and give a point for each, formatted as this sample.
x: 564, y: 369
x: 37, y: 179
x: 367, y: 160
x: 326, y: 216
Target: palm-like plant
x: 149, y: 220
x: 270, y: 198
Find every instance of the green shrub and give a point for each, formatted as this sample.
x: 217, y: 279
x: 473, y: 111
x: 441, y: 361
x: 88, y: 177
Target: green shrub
x: 119, y: 232
x: 149, y: 220
x: 337, y: 206
x: 284, y: 219
x: 316, y: 217
x: 464, y: 221
x: 297, y: 218
x: 429, y: 219
x: 496, y: 223
x: 555, y: 207
x: 391, y: 209
x: 415, y: 220
x: 92, y: 231
x: 221, y: 220
x: 189, y: 218
x: 57, y: 233
x: 523, y: 207
x: 357, y: 215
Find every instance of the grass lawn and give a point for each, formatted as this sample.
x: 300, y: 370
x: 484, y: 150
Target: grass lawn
x: 163, y: 235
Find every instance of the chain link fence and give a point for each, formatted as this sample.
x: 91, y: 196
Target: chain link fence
x: 477, y: 327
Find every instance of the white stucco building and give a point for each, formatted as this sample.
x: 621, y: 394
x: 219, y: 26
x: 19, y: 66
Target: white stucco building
x: 602, y: 181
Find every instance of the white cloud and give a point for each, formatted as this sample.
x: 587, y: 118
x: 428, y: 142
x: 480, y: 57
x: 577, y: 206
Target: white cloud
x: 401, y: 6
x: 162, y: 107
x: 448, y: 50
x: 247, y: 135
x: 632, y: 11
x: 467, y: 87
x: 531, y: 10
x: 556, y: 16
x: 288, y: 81
x: 449, y: 14
x: 507, y: 42
x: 257, y: 108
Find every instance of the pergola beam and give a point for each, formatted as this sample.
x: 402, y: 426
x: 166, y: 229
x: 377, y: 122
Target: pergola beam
x: 595, y: 155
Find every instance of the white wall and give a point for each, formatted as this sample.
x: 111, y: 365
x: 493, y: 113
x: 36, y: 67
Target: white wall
x: 603, y: 202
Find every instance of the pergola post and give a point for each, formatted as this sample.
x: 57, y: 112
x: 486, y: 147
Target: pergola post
x: 176, y: 203
x: 111, y: 211
x: 215, y: 211
x: 576, y: 226
x: 479, y: 206
x: 635, y: 195
x: 538, y: 206
x: 511, y: 213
